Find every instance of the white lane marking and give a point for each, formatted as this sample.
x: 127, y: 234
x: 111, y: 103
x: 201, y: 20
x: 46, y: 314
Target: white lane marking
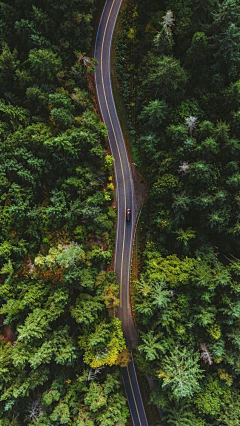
x: 130, y: 174
x: 138, y: 387
x: 115, y: 171
x: 113, y: 129
x: 128, y: 165
x: 135, y: 402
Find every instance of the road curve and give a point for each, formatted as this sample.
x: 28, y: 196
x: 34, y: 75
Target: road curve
x: 125, y: 198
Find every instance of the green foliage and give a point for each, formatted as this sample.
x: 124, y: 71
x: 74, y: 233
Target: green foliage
x: 44, y: 295
x: 150, y: 346
x: 62, y: 117
x: 182, y: 415
x: 213, y: 397
x: 172, y: 342
x: 44, y: 64
x: 57, y: 226
x: 60, y: 100
x: 109, y: 161
x: 226, y: 38
x: 15, y: 116
x: 166, y: 79
x: 103, y: 345
x: 154, y: 114
x: 181, y: 372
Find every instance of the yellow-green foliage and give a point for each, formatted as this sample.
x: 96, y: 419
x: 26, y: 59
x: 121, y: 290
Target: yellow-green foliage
x: 103, y: 346
x: 109, y: 161
x: 215, y: 331
x: 214, y: 395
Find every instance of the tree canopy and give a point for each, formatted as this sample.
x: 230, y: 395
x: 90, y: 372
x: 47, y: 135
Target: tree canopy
x: 179, y: 78
x: 61, y: 343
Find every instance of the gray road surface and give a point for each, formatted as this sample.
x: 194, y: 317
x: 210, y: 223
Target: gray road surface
x: 125, y: 198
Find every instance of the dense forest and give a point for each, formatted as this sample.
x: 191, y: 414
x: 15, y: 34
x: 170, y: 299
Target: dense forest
x: 61, y: 344
x: 178, y: 65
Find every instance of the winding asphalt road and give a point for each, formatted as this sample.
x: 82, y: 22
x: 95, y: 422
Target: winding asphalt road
x: 125, y: 198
